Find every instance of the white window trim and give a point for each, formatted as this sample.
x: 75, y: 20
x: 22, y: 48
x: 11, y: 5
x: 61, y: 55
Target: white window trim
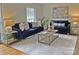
x: 34, y: 15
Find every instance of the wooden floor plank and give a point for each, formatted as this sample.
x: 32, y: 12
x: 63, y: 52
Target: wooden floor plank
x: 4, y: 50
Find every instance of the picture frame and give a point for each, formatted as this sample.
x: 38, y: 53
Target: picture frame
x: 60, y: 12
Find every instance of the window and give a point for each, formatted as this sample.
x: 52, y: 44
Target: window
x: 31, y: 16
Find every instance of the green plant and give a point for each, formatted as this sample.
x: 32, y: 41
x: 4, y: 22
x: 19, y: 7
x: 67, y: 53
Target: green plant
x: 44, y: 21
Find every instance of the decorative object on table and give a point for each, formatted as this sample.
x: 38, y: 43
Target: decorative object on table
x: 44, y: 23
x: 50, y: 25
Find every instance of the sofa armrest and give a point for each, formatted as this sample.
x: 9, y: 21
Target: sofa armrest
x: 15, y: 29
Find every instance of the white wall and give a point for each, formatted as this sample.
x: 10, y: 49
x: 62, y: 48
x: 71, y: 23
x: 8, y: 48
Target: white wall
x: 47, y: 9
x: 17, y: 11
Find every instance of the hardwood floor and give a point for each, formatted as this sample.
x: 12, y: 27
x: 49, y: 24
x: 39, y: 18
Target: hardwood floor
x: 5, y: 50
x: 76, y: 51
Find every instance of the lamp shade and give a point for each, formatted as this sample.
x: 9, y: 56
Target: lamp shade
x: 74, y: 23
x: 8, y: 22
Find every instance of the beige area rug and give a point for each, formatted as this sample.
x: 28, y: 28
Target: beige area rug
x: 64, y: 45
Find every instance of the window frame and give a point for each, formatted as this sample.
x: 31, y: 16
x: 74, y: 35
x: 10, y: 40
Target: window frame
x: 33, y: 15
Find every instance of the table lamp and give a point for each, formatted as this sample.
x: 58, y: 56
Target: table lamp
x: 8, y: 22
x: 75, y: 23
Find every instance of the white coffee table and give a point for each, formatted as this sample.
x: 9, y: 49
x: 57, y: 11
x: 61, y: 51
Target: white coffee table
x: 47, y: 37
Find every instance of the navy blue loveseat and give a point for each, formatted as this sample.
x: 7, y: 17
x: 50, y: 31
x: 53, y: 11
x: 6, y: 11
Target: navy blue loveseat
x: 26, y: 33
x: 62, y: 29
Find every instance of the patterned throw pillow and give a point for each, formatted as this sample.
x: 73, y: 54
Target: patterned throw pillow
x: 23, y: 26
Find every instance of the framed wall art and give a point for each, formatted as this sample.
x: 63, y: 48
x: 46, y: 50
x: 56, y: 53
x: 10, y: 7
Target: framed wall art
x: 60, y: 12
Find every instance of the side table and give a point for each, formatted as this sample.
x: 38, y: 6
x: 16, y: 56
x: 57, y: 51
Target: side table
x: 9, y: 38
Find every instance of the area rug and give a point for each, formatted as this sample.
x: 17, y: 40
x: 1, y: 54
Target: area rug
x: 64, y: 45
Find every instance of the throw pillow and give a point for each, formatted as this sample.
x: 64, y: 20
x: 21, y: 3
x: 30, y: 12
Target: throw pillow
x: 59, y: 24
x: 21, y: 26
x: 26, y: 25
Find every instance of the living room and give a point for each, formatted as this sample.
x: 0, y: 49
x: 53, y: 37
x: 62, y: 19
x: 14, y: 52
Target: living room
x: 41, y: 17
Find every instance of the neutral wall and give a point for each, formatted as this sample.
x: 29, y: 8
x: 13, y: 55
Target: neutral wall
x: 47, y: 9
x: 17, y: 11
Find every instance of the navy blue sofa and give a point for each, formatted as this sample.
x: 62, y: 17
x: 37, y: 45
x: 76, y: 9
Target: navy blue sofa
x: 62, y: 29
x: 26, y: 33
